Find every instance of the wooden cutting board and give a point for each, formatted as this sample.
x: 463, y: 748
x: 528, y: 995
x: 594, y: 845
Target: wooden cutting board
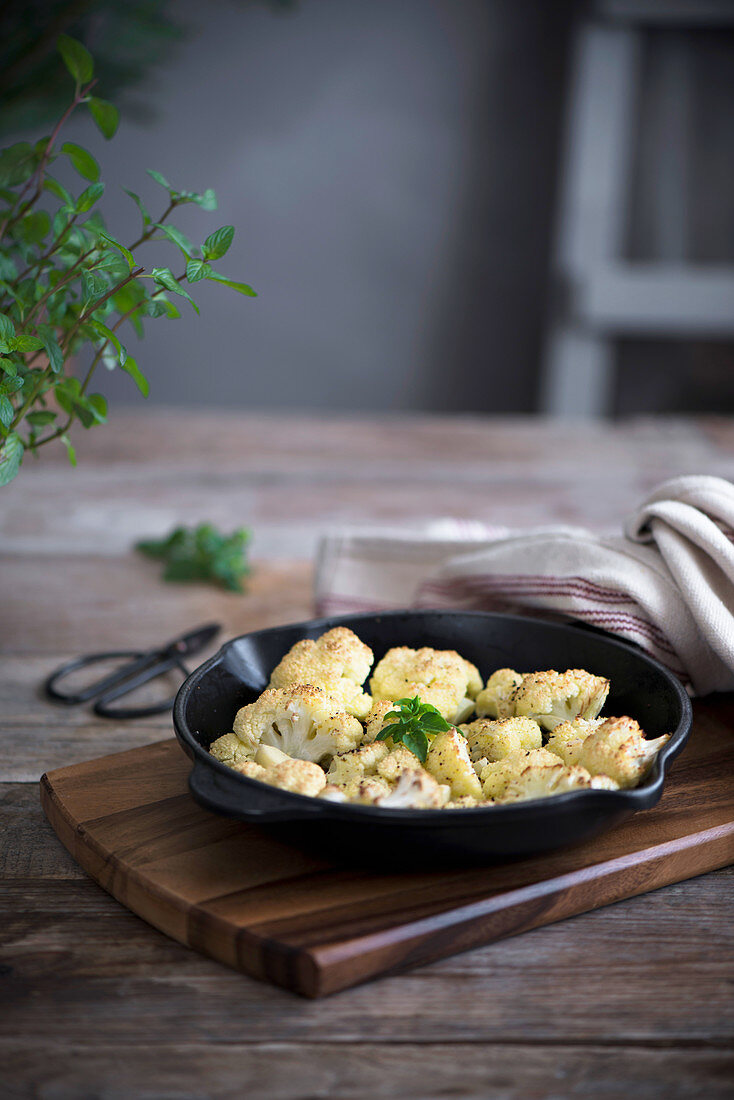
x: 236, y: 894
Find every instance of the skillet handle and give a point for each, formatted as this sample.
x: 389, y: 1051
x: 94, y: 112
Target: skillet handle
x: 247, y: 799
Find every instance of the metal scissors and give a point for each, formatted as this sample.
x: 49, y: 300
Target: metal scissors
x: 141, y: 667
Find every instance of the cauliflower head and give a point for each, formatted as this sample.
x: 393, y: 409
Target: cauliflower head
x: 567, y: 739
x: 415, y: 790
x: 376, y: 719
x: 617, y: 748
x: 439, y: 676
x: 496, y: 775
x: 495, y: 738
x: 232, y: 750
x: 543, y: 780
x: 552, y: 697
x: 300, y: 776
x: 338, y: 662
x: 496, y: 701
x: 448, y: 761
x: 302, y: 721
x: 348, y: 768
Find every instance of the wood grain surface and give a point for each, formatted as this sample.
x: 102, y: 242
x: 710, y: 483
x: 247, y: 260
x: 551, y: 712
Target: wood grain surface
x: 255, y: 903
x: 633, y: 1000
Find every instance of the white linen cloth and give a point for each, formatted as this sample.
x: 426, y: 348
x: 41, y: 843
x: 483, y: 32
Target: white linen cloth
x: 666, y: 584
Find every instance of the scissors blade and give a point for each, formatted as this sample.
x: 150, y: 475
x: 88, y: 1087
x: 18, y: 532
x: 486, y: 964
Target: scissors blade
x: 193, y: 641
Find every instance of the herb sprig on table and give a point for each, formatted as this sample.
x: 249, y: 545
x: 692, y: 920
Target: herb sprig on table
x: 202, y: 554
x: 413, y: 724
x: 67, y: 285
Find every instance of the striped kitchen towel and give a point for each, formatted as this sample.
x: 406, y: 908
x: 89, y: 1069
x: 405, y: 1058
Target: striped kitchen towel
x: 667, y: 583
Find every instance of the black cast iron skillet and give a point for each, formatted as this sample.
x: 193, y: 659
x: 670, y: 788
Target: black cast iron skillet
x: 209, y: 699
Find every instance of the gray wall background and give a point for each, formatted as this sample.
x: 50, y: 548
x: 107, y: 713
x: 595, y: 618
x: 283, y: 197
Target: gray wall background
x: 390, y: 171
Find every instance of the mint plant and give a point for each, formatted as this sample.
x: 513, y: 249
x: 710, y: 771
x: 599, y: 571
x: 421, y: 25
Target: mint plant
x: 67, y: 286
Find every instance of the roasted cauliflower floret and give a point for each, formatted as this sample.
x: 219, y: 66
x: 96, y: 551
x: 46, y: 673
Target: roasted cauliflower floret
x: 375, y: 720
x: 617, y: 748
x: 448, y: 761
x: 567, y: 739
x: 541, y: 781
x: 498, y: 773
x: 370, y: 791
x: 302, y: 721
x: 552, y: 697
x: 332, y: 793
x: 231, y: 750
x: 415, y: 790
x: 496, y: 700
x: 299, y: 776
x: 338, y: 662
x: 399, y: 760
x: 495, y: 738
x: 252, y: 770
x: 350, y: 767
x: 439, y: 676
x: 465, y: 803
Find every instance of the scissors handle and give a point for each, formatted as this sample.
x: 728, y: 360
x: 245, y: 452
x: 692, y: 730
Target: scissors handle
x: 141, y: 668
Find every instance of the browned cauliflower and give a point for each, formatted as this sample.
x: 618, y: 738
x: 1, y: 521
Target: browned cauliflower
x: 376, y: 719
x: 439, y: 676
x: 567, y: 739
x: 232, y: 750
x: 497, y: 773
x: 617, y: 748
x: 302, y: 721
x: 338, y: 662
x: 349, y: 768
x: 552, y: 697
x: 400, y: 760
x: 448, y: 761
x: 299, y: 776
x: 415, y: 790
x: 496, y: 700
x: 495, y: 738
x: 544, y: 780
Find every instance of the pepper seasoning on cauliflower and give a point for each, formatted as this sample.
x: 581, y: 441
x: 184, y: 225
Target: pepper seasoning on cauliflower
x: 496, y: 701
x: 617, y: 748
x: 544, y: 780
x: 349, y: 768
x: 338, y: 662
x: 500, y: 737
x: 552, y: 697
x: 448, y: 761
x: 232, y: 750
x: 567, y: 738
x: 376, y: 719
x: 302, y: 721
x: 496, y: 775
x: 440, y: 677
x: 415, y: 790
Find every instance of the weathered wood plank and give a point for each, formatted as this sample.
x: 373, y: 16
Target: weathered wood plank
x: 292, y: 1071
x: 654, y: 969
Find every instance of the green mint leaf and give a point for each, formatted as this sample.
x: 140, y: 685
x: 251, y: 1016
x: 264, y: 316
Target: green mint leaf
x: 178, y: 238
x: 7, y: 328
x: 201, y: 554
x: 83, y: 161
x: 207, y: 200
x: 147, y: 220
x: 77, y: 58
x: 71, y: 453
x: 93, y: 286
x: 434, y: 723
x: 7, y: 412
x: 120, y: 248
x: 41, y: 418
x: 25, y: 343
x: 34, y: 227
x: 196, y: 270
x: 58, y: 189
x: 17, y: 164
x: 8, y: 366
x: 130, y: 366
x: 105, y: 115
x: 218, y: 242
x: 108, y: 335
x: 11, y: 456
x: 164, y: 277
x: 241, y: 288
x: 159, y: 179
x: 88, y: 197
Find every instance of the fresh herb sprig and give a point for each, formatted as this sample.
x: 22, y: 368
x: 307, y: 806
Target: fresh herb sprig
x: 67, y: 285
x: 414, y: 723
x: 202, y: 554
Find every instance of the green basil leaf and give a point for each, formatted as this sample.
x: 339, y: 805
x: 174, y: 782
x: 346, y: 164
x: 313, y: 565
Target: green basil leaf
x: 77, y: 58
x: 418, y: 744
x: 105, y: 115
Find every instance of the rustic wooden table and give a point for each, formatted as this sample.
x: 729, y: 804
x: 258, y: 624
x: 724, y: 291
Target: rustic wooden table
x: 635, y: 1000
